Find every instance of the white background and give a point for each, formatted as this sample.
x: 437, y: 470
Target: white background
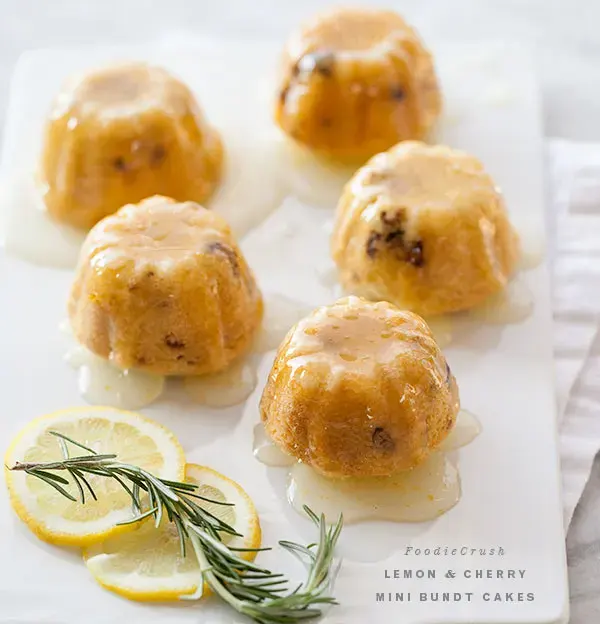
x: 567, y: 44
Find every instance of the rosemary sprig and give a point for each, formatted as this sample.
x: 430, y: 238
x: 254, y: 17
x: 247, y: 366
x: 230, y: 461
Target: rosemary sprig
x: 247, y: 587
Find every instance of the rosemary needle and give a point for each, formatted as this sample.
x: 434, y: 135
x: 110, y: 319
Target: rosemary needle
x: 247, y: 587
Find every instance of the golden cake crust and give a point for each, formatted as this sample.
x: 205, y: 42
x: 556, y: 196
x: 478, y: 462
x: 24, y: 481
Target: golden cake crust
x: 426, y: 228
x: 163, y: 287
x: 359, y: 389
x: 121, y: 134
x: 355, y: 82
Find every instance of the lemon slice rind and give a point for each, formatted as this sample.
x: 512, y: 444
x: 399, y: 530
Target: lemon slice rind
x: 61, y: 531
x: 110, y: 562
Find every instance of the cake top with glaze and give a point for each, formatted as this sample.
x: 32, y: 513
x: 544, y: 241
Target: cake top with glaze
x: 158, y: 230
x: 416, y: 175
x: 350, y: 31
x: 121, y: 90
x: 357, y: 336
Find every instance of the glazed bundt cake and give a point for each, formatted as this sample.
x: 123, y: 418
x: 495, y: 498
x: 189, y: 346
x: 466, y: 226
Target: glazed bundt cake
x: 121, y: 134
x: 424, y: 227
x: 359, y: 389
x: 354, y: 82
x: 162, y: 286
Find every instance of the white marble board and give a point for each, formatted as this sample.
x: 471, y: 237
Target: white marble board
x: 509, y: 474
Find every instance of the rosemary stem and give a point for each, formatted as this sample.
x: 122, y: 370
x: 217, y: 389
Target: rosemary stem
x: 246, y: 587
x: 206, y: 574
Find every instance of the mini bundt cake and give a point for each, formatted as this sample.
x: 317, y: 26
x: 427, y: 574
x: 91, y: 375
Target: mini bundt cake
x: 426, y: 228
x: 354, y: 82
x: 162, y: 287
x: 121, y: 134
x: 359, y: 389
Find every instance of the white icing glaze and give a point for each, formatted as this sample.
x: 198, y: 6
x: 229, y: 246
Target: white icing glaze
x: 417, y: 495
x: 267, y: 452
x: 157, y: 232
x: 281, y: 313
x: 231, y: 387
x: 352, y: 334
x: 253, y: 182
x: 102, y: 383
x: 532, y: 247
x: 31, y: 234
x: 531, y: 257
x: 117, y: 91
x: 466, y: 429
x: 513, y: 305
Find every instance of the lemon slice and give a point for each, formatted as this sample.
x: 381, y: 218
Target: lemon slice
x: 58, y: 520
x: 147, y: 564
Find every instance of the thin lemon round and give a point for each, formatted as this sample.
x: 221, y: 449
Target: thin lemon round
x: 147, y: 564
x: 132, y: 437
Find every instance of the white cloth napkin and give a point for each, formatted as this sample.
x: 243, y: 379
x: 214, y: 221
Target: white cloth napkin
x: 574, y: 242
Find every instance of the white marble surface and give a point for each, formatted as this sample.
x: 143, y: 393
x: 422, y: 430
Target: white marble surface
x: 563, y: 34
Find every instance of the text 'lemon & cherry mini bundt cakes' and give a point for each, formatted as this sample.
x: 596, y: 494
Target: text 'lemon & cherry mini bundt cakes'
x: 162, y: 286
x: 426, y: 228
x: 121, y: 134
x: 354, y: 82
x: 359, y: 389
